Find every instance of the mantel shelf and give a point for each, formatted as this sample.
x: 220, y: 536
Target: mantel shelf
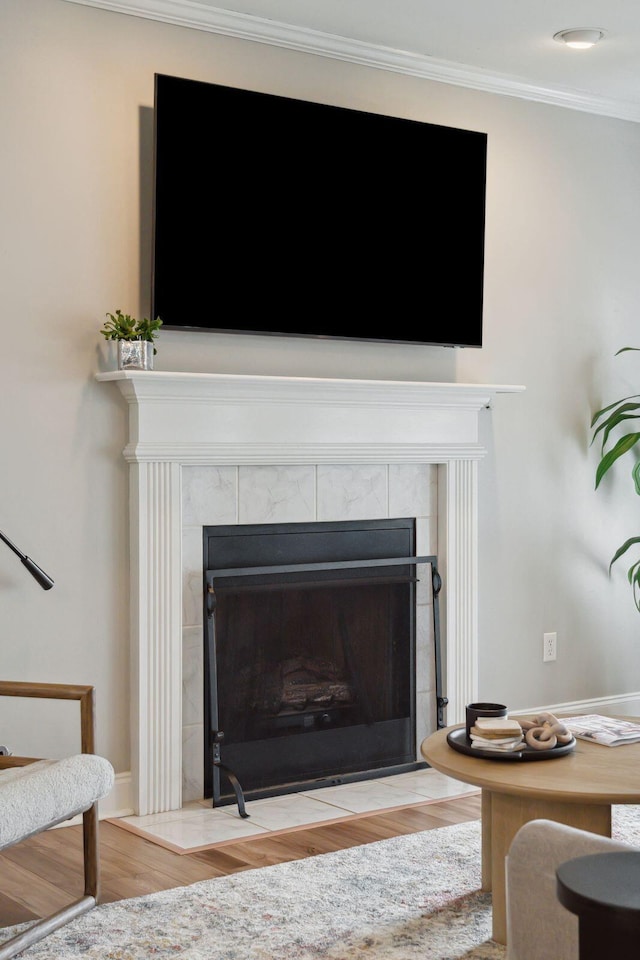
x: 193, y: 418
x: 160, y: 383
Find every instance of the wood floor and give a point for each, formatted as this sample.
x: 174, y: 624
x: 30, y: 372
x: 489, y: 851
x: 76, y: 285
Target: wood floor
x: 42, y: 874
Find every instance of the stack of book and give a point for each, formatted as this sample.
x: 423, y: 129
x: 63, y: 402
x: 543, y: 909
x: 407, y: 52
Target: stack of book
x: 497, y: 733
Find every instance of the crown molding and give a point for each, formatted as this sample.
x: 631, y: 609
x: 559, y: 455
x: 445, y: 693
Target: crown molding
x: 202, y: 16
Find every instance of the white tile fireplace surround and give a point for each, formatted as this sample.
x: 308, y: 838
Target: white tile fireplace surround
x: 208, y: 449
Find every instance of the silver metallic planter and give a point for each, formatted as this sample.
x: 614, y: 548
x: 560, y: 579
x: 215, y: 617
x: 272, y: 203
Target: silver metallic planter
x: 135, y: 355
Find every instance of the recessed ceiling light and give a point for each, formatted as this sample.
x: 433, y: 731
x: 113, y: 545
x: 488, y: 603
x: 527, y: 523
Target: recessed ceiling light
x: 579, y: 39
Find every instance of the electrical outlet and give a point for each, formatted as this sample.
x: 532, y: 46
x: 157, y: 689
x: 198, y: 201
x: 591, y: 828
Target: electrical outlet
x: 550, y: 642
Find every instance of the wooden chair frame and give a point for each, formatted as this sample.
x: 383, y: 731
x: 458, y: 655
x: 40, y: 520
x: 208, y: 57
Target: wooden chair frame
x: 90, y: 839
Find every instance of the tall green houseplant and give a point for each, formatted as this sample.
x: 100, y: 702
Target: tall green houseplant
x: 602, y: 424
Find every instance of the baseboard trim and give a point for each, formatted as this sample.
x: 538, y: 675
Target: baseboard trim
x: 593, y: 705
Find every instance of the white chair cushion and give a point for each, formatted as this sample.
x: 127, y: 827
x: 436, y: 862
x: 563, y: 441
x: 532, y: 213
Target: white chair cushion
x: 42, y: 794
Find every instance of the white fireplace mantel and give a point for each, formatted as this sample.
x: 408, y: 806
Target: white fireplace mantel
x: 178, y: 419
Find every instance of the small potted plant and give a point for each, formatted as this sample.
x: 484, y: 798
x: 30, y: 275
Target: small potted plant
x: 135, y: 339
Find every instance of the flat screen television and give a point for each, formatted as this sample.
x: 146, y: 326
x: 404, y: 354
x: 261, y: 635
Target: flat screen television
x: 279, y: 216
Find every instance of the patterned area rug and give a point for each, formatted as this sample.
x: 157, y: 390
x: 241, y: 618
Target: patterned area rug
x: 415, y: 897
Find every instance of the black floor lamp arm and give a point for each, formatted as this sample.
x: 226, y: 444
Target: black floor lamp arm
x: 36, y: 572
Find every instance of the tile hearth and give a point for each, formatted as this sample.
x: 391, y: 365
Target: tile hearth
x: 197, y: 825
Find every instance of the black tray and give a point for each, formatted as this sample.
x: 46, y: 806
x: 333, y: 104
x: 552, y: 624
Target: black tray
x: 458, y: 740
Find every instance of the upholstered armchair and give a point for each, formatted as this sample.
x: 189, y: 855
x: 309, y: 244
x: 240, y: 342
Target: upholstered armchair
x: 538, y: 926
x: 36, y: 794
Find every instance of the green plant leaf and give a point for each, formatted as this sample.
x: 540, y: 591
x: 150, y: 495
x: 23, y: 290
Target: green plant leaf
x: 608, y: 418
x: 634, y: 580
x: 623, y: 549
x: 623, y: 445
x: 622, y: 413
x: 611, y: 406
x: 633, y: 571
x: 122, y: 326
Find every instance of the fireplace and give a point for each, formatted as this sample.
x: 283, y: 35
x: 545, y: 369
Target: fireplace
x: 384, y: 436
x: 310, y: 654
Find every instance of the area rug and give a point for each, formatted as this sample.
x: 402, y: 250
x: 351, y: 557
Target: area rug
x: 415, y: 897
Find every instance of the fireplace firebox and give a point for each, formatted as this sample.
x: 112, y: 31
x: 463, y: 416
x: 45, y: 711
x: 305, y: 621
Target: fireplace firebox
x: 310, y: 655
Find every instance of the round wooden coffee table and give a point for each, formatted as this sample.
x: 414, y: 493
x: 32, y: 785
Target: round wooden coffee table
x: 577, y: 789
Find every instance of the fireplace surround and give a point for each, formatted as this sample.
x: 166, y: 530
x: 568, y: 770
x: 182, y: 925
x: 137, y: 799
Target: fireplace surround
x: 263, y: 427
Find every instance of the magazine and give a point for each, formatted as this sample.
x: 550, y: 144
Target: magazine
x: 608, y: 731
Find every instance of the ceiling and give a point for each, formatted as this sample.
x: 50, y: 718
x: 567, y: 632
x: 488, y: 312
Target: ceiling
x: 501, y: 45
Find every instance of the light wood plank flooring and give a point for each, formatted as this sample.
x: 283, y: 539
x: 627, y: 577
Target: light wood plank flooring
x: 42, y: 874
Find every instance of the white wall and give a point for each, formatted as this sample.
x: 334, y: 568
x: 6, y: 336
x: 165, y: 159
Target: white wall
x: 562, y: 288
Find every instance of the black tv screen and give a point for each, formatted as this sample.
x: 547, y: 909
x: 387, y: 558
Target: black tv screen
x: 279, y: 216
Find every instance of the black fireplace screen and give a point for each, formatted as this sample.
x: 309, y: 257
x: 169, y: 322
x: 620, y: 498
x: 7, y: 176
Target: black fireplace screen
x: 309, y: 654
